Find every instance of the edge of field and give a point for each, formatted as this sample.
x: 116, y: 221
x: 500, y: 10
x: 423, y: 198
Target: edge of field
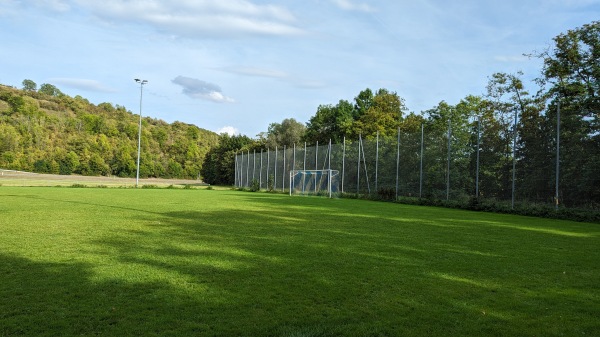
x: 20, y: 178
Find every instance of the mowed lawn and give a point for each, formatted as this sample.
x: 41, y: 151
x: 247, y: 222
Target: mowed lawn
x: 174, y: 262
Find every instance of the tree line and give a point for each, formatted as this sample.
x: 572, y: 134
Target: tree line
x: 45, y: 131
x: 521, y: 132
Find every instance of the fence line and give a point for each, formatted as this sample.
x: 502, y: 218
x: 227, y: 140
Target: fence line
x: 436, y: 165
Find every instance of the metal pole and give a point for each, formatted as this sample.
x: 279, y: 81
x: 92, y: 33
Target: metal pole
x: 421, y: 166
x: 397, y: 162
x: 448, y: 163
x: 557, y: 152
x: 137, y: 174
x: 275, y: 171
x: 283, y: 171
x: 376, y: 160
x: 514, y: 161
x: 343, y: 163
x: 304, y: 169
x: 316, y: 164
x: 329, y: 169
x: 358, y: 168
x: 253, y: 165
x: 477, y: 167
x: 248, y: 171
x: 261, y: 168
x: 268, y: 167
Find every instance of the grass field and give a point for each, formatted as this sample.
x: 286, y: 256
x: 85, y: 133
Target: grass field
x: 175, y: 262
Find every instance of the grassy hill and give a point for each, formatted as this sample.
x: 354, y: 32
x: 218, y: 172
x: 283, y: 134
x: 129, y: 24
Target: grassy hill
x: 55, y: 133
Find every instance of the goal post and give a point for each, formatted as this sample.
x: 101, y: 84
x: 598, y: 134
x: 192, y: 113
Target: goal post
x: 315, y: 182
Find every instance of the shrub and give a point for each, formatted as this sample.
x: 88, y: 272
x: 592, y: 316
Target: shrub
x: 254, y: 186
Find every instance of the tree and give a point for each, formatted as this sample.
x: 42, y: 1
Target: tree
x: 383, y: 114
x: 29, y: 85
x: 572, y: 71
x: 330, y: 123
x: 219, y: 163
x: 50, y: 90
x: 287, y: 133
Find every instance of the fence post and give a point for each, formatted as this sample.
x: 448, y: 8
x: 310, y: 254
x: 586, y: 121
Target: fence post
x: 304, y: 168
x: 275, y: 170
x: 557, y: 151
x: 421, y: 166
x: 248, y: 170
x: 261, y: 168
x: 316, y: 163
x: 376, y: 161
x: 253, y: 165
x: 397, y: 163
x: 329, y: 168
x: 283, y: 171
x: 343, y: 163
x: 448, y: 163
x: 514, y: 161
x: 268, y: 166
x: 478, y: 150
x: 358, y: 167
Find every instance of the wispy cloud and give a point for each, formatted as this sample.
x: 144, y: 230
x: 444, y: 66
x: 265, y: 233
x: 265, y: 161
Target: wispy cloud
x: 352, y: 6
x: 200, y: 18
x: 53, y: 5
x: 82, y: 84
x: 198, y: 89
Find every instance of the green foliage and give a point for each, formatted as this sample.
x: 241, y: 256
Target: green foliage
x: 29, y: 85
x: 219, y: 164
x: 49, y: 132
x: 254, y: 185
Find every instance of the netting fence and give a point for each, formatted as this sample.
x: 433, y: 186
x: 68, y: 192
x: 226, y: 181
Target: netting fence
x: 428, y: 164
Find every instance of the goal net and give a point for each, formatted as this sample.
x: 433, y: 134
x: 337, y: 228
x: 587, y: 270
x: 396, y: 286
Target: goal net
x: 315, y: 182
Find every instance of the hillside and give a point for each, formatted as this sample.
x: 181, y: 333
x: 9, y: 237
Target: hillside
x: 59, y: 134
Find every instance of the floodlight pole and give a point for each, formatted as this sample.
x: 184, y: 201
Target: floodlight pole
x: 137, y: 175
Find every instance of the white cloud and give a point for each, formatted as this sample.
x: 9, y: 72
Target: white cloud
x: 199, y: 89
x: 82, y: 84
x: 200, y: 18
x: 351, y: 6
x: 230, y: 130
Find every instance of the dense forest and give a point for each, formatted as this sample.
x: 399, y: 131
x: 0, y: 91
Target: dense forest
x: 45, y: 131
x: 523, y: 130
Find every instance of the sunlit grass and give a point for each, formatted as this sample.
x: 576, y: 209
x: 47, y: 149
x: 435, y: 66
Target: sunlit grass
x: 126, y: 262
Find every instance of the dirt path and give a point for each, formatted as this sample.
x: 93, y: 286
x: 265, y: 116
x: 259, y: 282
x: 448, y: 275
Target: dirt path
x: 18, y: 178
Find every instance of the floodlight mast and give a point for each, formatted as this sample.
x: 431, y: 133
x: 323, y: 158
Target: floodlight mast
x: 137, y: 175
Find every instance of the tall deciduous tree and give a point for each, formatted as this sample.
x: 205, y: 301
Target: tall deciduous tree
x: 287, y: 133
x: 29, y: 85
x: 572, y: 71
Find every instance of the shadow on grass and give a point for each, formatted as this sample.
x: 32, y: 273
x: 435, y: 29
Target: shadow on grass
x: 308, y: 269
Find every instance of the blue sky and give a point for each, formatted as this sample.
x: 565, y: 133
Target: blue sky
x: 239, y: 65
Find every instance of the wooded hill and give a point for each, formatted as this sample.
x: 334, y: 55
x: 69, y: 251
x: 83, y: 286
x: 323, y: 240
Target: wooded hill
x: 46, y: 131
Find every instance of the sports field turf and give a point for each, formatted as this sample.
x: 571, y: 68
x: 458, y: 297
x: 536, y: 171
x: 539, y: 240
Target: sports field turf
x: 175, y: 262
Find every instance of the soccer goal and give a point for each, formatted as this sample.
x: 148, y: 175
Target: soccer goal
x: 315, y: 182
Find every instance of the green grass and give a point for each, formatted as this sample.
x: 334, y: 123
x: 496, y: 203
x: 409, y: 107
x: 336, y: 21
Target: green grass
x: 174, y: 262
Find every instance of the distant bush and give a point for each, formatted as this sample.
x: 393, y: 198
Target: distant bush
x: 150, y: 186
x: 78, y: 186
x: 255, y: 185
